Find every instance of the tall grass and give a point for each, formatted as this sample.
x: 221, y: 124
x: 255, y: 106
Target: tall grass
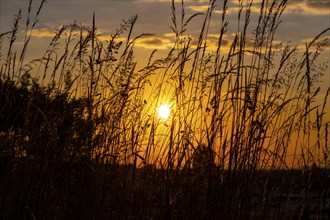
x: 248, y: 130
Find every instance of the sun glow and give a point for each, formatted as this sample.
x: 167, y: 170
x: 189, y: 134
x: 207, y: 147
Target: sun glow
x: 164, y: 111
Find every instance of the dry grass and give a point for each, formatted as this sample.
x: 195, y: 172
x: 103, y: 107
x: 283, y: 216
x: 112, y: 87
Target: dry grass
x: 248, y: 131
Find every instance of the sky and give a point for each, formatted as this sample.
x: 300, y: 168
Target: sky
x: 301, y: 22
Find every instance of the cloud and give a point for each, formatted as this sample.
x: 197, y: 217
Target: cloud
x: 324, y: 42
x: 212, y: 42
x: 306, y: 7
x: 170, y: 1
x: 169, y: 35
x: 227, y: 41
x: 43, y: 32
x: 213, y: 39
x: 146, y: 42
x: 310, y: 7
x: 198, y: 8
x: 154, y: 43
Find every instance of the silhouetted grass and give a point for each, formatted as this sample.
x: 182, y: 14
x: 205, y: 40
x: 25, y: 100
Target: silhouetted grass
x: 247, y: 137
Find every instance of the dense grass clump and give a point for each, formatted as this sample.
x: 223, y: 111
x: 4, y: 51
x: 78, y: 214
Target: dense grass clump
x: 247, y: 137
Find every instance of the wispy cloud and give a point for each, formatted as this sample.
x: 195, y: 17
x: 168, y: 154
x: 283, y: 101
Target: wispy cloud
x: 308, y: 7
x: 146, y: 42
x: 169, y: 1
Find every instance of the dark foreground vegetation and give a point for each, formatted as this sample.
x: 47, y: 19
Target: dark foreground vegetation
x: 83, y: 189
x: 247, y: 138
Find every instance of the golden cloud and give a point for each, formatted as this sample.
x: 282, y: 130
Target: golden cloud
x: 198, y: 8
x: 154, y: 43
x: 43, y: 32
x: 49, y: 33
x: 212, y: 42
x: 324, y: 42
x: 169, y: 35
x: 169, y: 1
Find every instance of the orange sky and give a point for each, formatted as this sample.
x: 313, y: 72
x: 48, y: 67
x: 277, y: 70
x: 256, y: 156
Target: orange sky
x: 302, y: 21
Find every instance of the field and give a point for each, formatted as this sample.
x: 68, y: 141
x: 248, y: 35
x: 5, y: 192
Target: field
x: 246, y: 135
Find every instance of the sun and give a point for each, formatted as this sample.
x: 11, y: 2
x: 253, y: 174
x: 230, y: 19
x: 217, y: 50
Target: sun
x: 164, y: 111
